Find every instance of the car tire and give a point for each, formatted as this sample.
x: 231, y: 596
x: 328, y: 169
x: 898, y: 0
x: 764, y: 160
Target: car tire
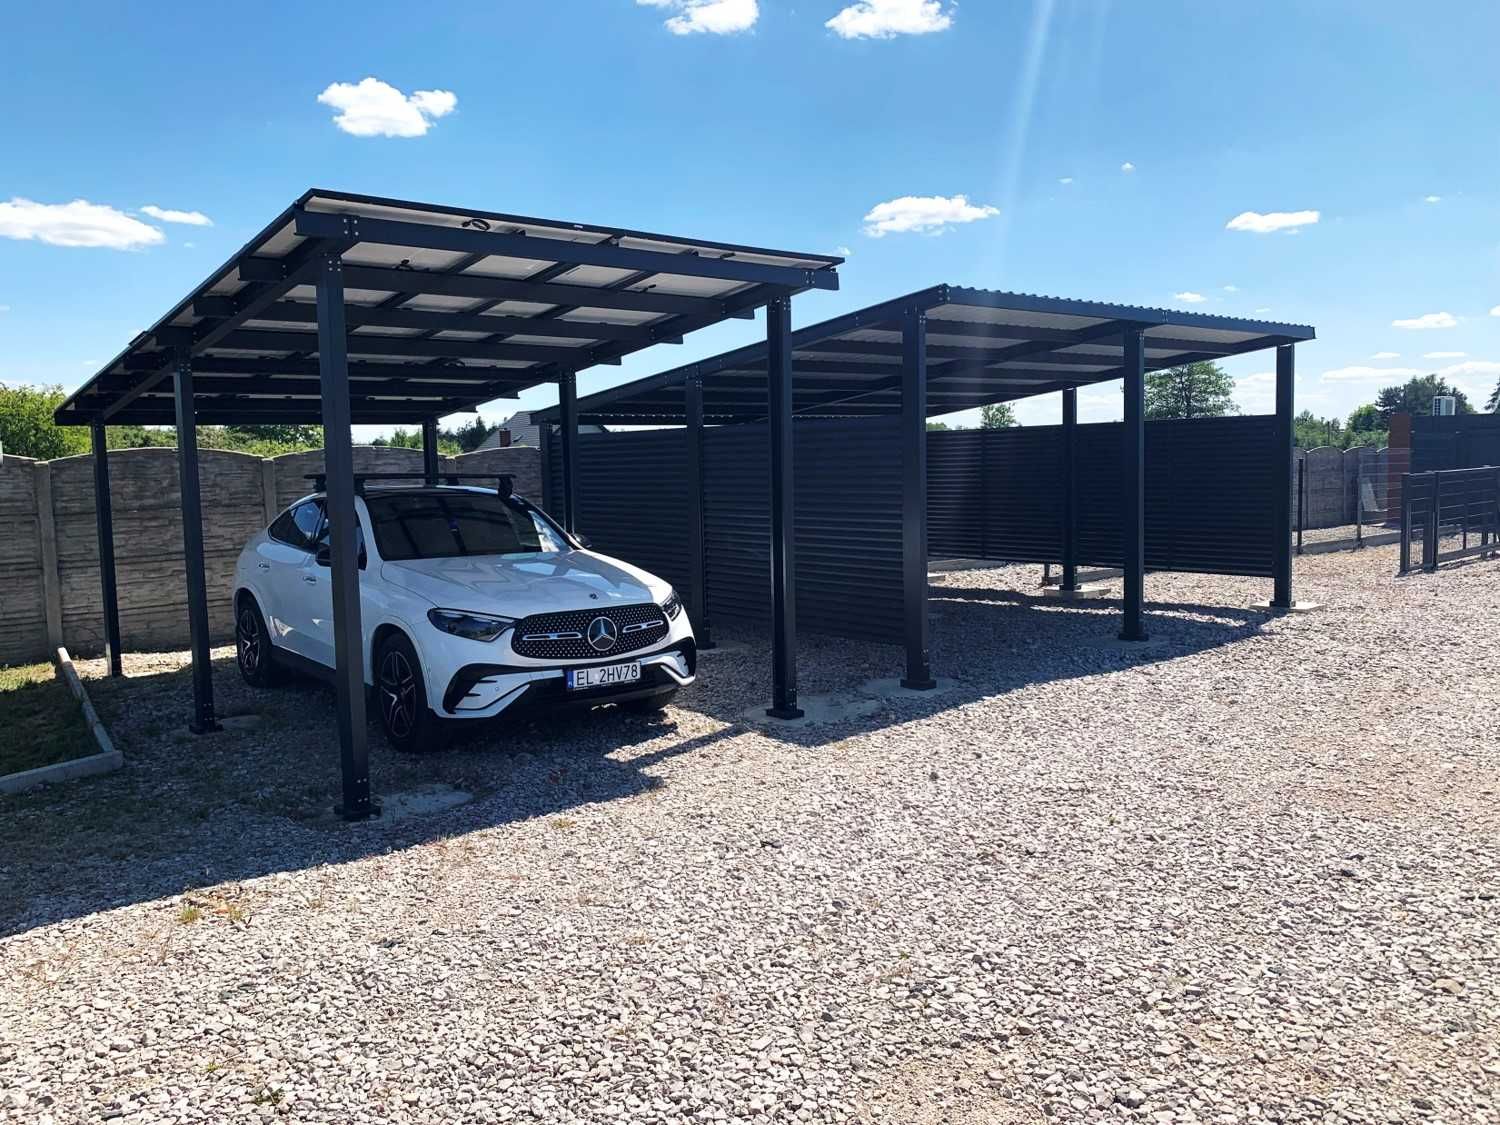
x: 252, y: 645
x: 401, y: 697
x: 651, y: 704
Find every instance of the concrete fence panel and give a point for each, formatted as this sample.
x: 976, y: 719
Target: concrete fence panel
x: 23, y: 597
x: 49, y: 554
x: 149, y: 563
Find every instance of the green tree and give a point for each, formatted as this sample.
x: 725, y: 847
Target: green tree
x: 1415, y: 397
x: 290, y: 435
x: 471, y: 435
x: 1311, y: 431
x: 1364, y: 419
x: 997, y: 416
x: 1493, y: 405
x: 26, y: 426
x: 937, y: 427
x: 1192, y: 390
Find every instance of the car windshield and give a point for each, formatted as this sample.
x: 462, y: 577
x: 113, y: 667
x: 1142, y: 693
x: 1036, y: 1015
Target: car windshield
x: 447, y: 525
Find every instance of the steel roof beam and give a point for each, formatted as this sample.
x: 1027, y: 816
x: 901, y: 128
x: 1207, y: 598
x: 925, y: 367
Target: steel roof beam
x: 482, y: 287
x: 400, y: 346
x: 391, y: 232
x: 426, y: 320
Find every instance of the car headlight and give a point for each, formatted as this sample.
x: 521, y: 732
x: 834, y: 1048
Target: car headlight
x: 473, y: 626
x: 672, y: 604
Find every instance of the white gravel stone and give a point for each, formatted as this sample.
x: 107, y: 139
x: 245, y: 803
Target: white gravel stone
x: 1250, y: 875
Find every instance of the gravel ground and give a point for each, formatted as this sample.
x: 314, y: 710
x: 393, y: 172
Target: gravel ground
x: 1247, y: 875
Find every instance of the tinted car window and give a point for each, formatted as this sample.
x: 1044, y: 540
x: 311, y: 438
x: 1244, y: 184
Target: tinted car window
x: 455, y: 524
x: 296, y: 527
x: 324, y: 531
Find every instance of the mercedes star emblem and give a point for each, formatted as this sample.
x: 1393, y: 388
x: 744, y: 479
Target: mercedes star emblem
x: 603, y: 634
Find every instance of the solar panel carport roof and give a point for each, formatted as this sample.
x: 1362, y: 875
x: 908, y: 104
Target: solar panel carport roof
x: 983, y: 346
x: 446, y: 308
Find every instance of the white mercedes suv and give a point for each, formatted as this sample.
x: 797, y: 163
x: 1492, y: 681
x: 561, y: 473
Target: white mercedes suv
x: 473, y: 602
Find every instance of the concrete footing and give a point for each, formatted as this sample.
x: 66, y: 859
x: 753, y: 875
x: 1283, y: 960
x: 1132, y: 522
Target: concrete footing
x: 867, y: 699
x: 1083, y: 593
x: 1295, y: 607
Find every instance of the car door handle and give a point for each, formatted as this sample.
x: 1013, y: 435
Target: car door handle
x: 310, y: 579
x: 262, y: 566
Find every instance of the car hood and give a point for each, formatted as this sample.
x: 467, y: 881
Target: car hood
x: 520, y: 585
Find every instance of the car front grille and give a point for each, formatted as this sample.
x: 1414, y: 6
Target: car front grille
x: 565, y: 636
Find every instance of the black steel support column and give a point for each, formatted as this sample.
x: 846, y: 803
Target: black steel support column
x: 567, y: 410
x: 1281, y: 563
x: 1069, y: 489
x: 1133, y: 474
x: 430, y: 451
x: 203, y: 720
x: 914, y: 498
x: 697, y: 546
x: 343, y: 555
x: 783, y: 512
x: 104, y: 524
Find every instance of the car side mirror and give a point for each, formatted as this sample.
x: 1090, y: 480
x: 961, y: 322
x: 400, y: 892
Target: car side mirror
x: 325, y: 558
x: 583, y: 540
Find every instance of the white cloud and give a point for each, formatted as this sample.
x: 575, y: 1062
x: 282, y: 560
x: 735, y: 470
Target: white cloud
x: 79, y: 223
x: 1427, y: 320
x: 1066, y: 180
x: 923, y: 214
x: 1470, y: 367
x: 843, y: 251
x: 1257, y: 223
x: 372, y: 108
x: 1433, y: 199
x: 1259, y: 378
x: 1386, y: 355
x: 1358, y: 372
x: 167, y: 215
x: 1231, y: 288
x: 1444, y: 355
x: 1127, y: 167
x: 1495, y: 311
x: 885, y: 19
x: 1262, y: 310
x: 712, y: 17
x: 1190, y: 297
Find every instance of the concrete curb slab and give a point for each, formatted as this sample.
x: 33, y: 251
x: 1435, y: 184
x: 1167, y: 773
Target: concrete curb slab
x: 107, y: 760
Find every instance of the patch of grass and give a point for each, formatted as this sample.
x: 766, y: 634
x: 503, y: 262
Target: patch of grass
x: 188, y: 914
x: 563, y: 823
x: 43, y: 722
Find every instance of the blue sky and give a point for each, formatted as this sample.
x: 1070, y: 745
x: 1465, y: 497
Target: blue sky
x: 1100, y: 149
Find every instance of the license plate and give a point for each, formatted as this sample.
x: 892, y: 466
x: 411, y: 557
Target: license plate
x: 611, y: 675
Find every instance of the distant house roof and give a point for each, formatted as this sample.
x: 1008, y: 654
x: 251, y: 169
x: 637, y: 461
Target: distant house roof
x: 523, y: 431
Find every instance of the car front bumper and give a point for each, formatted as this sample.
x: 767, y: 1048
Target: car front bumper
x: 481, y: 691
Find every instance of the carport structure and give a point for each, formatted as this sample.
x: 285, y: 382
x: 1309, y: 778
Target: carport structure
x: 934, y: 352
x: 352, y: 309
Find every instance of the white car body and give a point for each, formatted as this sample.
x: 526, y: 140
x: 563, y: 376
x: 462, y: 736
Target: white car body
x: 465, y: 677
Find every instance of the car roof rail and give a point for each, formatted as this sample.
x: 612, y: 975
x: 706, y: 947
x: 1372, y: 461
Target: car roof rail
x: 504, y: 483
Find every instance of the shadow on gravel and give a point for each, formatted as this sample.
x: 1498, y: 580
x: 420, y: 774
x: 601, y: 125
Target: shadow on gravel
x: 190, y: 812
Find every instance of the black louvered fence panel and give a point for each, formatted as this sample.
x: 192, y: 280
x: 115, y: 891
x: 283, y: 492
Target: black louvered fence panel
x: 1210, y: 490
x: 955, y: 494
x: 632, y: 503
x: 632, y: 497
x: 1454, y: 441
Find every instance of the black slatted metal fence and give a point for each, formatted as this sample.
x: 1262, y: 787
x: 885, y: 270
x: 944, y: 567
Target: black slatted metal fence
x: 632, y: 503
x: 1210, y: 490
